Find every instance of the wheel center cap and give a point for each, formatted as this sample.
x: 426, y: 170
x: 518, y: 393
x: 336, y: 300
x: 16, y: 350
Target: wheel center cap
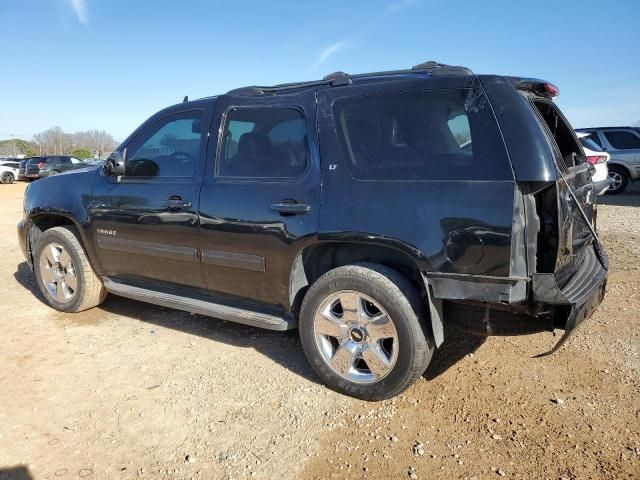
x: 356, y: 334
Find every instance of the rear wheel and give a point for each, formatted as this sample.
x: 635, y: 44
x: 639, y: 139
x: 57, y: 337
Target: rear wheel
x: 7, y: 177
x: 361, y: 330
x: 619, y: 179
x: 53, y: 173
x: 63, y: 272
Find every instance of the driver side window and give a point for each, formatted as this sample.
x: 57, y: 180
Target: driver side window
x: 169, y: 148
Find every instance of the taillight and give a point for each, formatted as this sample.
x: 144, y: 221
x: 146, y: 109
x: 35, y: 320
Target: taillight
x: 41, y: 165
x: 594, y: 159
x: 551, y: 89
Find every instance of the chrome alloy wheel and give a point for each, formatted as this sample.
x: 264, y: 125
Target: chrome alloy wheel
x: 356, y: 337
x: 58, y: 272
x: 616, y: 180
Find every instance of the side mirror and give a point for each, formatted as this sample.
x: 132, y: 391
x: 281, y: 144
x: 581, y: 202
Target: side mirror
x: 116, y: 163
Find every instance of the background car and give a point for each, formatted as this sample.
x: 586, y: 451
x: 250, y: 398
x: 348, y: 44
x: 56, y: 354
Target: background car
x: 8, y: 173
x: 22, y: 169
x: 597, y: 157
x: 623, y: 145
x: 41, y: 167
x: 10, y: 162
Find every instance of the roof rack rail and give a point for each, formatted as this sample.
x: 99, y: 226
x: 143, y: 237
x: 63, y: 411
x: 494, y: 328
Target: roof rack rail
x: 339, y: 79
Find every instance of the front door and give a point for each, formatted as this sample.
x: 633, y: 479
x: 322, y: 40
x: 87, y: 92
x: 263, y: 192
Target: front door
x: 259, y: 200
x: 145, y: 223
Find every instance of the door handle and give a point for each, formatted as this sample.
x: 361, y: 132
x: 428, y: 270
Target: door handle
x: 290, y: 208
x: 175, y: 203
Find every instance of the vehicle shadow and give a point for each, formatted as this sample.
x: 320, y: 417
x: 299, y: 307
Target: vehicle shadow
x: 629, y: 198
x: 456, y: 346
x: 15, y: 473
x: 282, y: 347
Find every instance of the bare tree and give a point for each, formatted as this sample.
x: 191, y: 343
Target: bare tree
x: 55, y: 142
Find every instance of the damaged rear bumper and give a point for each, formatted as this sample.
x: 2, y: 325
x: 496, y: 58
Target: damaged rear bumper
x: 483, y: 309
x: 581, y: 295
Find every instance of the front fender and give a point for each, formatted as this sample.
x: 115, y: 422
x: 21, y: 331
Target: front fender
x: 66, y: 197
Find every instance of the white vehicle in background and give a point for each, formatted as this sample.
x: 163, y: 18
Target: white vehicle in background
x: 8, y: 174
x: 597, y: 157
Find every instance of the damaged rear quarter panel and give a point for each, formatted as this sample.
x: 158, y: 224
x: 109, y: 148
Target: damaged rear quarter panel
x: 449, y: 226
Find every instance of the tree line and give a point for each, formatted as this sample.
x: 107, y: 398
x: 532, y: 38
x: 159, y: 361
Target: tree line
x: 55, y: 141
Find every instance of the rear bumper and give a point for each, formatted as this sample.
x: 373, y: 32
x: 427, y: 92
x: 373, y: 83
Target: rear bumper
x: 548, y: 305
x: 602, y: 186
x: 581, y: 295
x: 35, y: 175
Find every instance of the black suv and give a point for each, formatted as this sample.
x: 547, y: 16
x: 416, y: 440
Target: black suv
x: 366, y: 210
x: 41, y: 167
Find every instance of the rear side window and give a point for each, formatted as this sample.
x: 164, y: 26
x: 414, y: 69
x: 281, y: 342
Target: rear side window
x: 622, y: 140
x: 424, y: 135
x: 263, y: 142
x: 594, y: 138
x: 587, y: 142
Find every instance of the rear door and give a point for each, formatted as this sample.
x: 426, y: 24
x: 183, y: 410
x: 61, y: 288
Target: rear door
x: 62, y: 164
x: 623, y: 145
x: 259, y: 201
x: 575, y: 176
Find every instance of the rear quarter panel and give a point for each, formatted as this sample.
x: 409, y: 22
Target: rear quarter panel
x: 416, y: 217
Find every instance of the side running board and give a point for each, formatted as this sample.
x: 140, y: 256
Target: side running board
x: 208, y: 306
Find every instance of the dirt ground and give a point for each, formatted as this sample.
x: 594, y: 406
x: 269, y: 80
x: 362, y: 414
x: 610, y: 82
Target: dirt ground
x: 131, y: 390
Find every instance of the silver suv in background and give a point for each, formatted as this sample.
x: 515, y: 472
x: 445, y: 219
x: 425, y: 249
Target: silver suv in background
x: 623, y: 145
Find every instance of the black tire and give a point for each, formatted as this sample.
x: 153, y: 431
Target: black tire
x: 624, y: 179
x: 402, y: 303
x: 7, y: 177
x: 53, y: 173
x: 90, y: 291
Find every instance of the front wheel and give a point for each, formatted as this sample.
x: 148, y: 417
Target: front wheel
x: 53, y: 173
x: 361, y: 328
x: 63, y: 272
x: 619, y: 179
x: 7, y: 177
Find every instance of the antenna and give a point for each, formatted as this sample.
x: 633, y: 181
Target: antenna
x: 185, y: 99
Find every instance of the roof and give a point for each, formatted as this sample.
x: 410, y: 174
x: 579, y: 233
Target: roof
x: 338, y: 79
x: 591, y: 129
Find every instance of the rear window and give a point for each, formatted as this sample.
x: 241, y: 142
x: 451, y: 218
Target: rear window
x: 423, y: 135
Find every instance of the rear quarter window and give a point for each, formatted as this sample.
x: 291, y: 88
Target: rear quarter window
x: 421, y: 136
x: 622, y: 140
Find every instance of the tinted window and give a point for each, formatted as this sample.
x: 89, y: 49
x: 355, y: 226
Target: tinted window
x: 594, y: 138
x: 263, y: 143
x: 170, y: 148
x: 428, y: 135
x: 622, y: 140
x: 587, y: 142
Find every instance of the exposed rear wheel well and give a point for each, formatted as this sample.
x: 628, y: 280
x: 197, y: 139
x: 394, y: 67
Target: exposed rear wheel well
x: 316, y: 260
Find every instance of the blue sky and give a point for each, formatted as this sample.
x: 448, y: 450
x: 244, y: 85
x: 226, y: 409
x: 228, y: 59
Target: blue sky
x: 109, y: 64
